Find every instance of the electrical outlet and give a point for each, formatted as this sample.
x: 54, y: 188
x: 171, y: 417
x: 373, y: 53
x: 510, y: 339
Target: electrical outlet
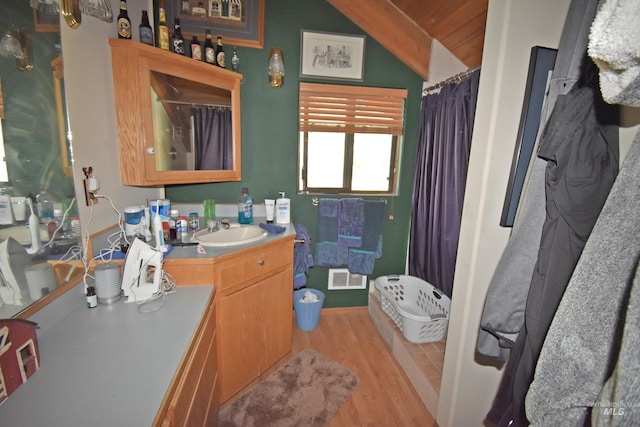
x: 91, y: 185
x: 89, y: 195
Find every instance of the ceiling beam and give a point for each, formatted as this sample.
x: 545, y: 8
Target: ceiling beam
x: 392, y: 29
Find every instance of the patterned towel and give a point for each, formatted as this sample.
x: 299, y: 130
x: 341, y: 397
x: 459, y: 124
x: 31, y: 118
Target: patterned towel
x: 350, y: 222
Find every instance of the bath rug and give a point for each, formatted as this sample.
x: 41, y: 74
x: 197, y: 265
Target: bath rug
x: 306, y: 391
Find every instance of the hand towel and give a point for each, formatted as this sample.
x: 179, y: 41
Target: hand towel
x: 350, y: 222
x: 331, y: 254
x: 328, y: 220
x: 302, y: 257
x: 362, y: 260
x: 271, y: 228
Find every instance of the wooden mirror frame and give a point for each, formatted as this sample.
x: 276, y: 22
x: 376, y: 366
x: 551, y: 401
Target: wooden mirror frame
x: 58, y: 77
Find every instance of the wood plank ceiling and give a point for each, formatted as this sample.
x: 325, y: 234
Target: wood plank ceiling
x: 407, y: 27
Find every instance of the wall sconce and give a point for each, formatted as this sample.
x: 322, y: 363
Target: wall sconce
x: 16, y: 43
x: 276, y: 67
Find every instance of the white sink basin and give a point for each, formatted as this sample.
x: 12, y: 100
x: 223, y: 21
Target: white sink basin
x: 235, y: 235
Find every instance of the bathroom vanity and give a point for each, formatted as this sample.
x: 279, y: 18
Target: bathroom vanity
x: 229, y: 320
x: 253, y: 304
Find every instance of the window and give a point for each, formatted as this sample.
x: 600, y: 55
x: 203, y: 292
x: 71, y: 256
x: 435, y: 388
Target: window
x: 349, y: 138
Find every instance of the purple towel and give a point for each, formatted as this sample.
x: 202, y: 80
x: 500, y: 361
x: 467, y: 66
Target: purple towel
x: 330, y: 254
x: 302, y: 258
x: 328, y: 220
x: 350, y: 222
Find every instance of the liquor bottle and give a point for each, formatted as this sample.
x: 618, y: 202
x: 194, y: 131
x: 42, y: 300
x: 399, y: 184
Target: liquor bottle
x: 124, y: 23
x: 145, y: 30
x: 177, y: 41
x: 209, y: 50
x: 220, y: 53
x: 196, y: 48
x: 163, y: 30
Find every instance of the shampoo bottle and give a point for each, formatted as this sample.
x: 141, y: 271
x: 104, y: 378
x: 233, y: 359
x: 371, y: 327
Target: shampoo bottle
x: 283, y: 209
x: 245, y: 207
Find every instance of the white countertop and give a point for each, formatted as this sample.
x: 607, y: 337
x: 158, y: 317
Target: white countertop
x: 105, y: 366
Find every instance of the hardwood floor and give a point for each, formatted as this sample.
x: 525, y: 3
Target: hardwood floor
x: 384, y: 396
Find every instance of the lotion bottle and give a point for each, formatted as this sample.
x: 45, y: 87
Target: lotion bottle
x: 283, y: 209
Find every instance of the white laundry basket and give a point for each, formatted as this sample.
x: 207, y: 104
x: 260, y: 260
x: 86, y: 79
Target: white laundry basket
x: 417, y: 308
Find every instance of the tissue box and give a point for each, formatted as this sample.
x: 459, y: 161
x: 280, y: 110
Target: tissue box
x: 19, y: 356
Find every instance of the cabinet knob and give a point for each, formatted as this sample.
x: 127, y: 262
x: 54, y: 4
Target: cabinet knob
x: 151, y: 150
x: 260, y: 262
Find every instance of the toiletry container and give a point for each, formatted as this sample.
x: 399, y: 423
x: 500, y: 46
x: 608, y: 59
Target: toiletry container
x: 6, y: 213
x: 283, y: 209
x: 245, y: 207
x: 44, y: 203
x: 164, y: 206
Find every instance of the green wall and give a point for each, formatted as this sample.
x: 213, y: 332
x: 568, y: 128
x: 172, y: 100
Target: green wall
x: 270, y: 132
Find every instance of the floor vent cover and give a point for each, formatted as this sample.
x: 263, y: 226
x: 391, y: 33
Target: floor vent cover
x: 341, y: 278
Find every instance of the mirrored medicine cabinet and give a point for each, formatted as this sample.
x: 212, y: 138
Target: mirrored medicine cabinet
x: 178, y: 118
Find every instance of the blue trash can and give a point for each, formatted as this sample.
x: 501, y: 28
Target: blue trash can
x: 307, y: 313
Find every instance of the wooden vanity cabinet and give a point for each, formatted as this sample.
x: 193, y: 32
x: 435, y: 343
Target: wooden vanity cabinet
x: 193, y: 396
x: 154, y: 91
x: 254, y: 309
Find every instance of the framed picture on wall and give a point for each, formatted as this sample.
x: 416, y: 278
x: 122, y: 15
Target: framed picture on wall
x: 239, y: 22
x: 541, y: 63
x: 46, y: 23
x: 332, y: 55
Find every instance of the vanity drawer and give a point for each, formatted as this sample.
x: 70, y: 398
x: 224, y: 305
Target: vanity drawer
x: 252, y: 265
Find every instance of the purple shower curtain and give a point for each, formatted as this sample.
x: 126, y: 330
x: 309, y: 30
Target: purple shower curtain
x: 213, y: 138
x: 444, y: 144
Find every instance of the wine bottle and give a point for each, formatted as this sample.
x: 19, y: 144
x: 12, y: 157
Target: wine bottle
x: 220, y: 53
x: 124, y: 23
x: 209, y: 49
x: 177, y: 41
x: 163, y: 30
x: 196, y: 48
x: 145, y: 30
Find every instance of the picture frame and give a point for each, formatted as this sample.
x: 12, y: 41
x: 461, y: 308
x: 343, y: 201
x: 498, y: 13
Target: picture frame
x: 541, y: 63
x: 238, y: 22
x: 44, y: 23
x: 332, y: 55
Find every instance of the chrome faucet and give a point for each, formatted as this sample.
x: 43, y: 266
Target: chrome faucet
x: 218, y: 224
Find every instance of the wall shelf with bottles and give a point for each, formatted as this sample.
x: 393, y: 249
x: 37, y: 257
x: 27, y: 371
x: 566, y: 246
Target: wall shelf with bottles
x: 161, y: 100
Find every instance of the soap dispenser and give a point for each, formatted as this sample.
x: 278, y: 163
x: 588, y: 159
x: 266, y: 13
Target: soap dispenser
x: 283, y: 209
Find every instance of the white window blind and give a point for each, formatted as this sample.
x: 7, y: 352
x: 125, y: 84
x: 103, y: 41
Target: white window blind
x: 351, y: 109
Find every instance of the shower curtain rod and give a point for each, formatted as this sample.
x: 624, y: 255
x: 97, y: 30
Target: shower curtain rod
x: 193, y: 104
x: 453, y: 79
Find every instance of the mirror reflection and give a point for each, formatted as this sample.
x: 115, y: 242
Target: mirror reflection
x: 35, y: 162
x: 192, y: 124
